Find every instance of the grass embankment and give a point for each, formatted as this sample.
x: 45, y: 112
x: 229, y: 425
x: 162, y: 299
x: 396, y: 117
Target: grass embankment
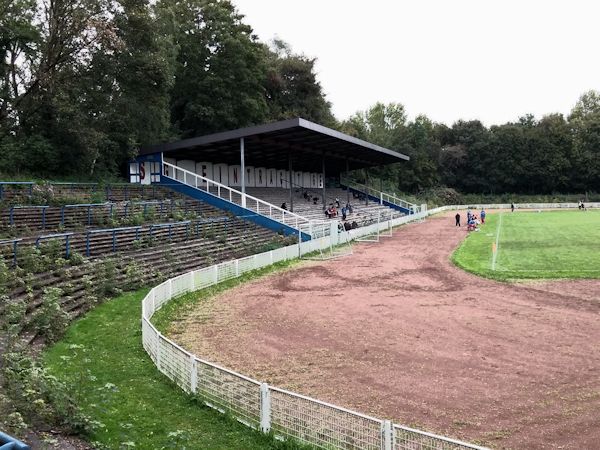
x: 534, y: 245
x: 115, y: 383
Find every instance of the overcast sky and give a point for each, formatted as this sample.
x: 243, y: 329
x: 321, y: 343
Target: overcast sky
x: 493, y: 60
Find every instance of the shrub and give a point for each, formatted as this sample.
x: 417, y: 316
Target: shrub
x: 51, y: 321
x: 39, y: 397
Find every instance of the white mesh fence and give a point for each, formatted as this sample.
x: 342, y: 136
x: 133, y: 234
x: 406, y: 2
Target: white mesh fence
x: 323, y: 425
x: 410, y: 439
x: 229, y: 392
x: 256, y: 404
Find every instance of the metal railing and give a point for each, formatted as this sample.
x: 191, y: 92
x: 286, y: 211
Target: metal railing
x: 14, y: 243
x: 382, y: 196
x: 4, y: 184
x: 113, y: 232
x: 48, y: 237
x: 259, y: 405
x: 227, y: 193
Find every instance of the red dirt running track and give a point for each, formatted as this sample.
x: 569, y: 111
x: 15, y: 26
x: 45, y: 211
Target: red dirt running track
x: 398, y: 332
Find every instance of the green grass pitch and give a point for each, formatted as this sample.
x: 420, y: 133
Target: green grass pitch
x: 534, y: 245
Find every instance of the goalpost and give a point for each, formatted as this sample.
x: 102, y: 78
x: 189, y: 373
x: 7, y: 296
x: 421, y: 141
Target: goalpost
x: 382, y: 227
x: 329, y: 241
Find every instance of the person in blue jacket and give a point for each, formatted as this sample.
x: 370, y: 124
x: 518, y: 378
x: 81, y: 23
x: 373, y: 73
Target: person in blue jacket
x: 482, y: 215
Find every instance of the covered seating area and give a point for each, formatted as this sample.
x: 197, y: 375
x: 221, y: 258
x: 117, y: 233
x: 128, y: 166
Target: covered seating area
x: 293, y: 155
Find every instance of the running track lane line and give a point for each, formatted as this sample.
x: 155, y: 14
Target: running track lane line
x: 495, y: 255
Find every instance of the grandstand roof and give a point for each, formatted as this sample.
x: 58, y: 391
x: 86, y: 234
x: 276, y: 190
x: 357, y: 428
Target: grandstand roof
x: 268, y: 145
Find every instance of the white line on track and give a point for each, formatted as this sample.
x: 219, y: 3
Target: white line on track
x: 495, y: 255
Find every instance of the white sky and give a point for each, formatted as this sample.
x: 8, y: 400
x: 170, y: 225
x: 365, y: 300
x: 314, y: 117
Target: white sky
x: 493, y: 60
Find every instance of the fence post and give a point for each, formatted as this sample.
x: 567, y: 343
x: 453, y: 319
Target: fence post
x: 215, y: 274
x: 265, y: 408
x: 193, y: 375
x: 170, y: 288
x: 387, y: 435
x: 158, y: 338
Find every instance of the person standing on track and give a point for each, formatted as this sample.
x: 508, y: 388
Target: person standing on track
x: 457, y: 217
x: 512, y: 207
x: 482, y: 215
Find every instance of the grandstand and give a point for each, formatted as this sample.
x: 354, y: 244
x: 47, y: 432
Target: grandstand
x: 254, y: 171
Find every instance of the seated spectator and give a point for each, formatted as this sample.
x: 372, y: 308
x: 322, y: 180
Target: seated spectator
x: 315, y: 200
x: 284, y: 206
x: 354, y: 225
x: 347, y: 226
x: 340, y: 227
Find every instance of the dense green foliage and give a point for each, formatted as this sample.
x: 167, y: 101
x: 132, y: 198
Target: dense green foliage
x: 532, y: 245
x: 84, y: 83
x: 130, y: 402
x: 531, y: 156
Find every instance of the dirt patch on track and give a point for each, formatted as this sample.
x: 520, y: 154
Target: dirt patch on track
x: 397, y: 331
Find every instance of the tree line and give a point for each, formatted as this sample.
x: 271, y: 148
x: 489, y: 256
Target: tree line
x: 85, y: 83
x: 554, y: 154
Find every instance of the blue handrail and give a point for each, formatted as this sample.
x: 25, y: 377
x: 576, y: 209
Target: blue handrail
x: 89, y: 207
x: 11, y: 213
x: 10, y: 443
x: 15, y: 243
x: 16, y: 183
x: 114, y: 232
x: 67, y: 237
x: 170, y: 226
x: 202, y: 221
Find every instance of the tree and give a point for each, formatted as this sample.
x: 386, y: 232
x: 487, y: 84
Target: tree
x: 220, y: 68
x: 292, y: 88
x: 585, y: 125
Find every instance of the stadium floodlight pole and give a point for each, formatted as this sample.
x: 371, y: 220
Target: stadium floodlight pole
x: 290, y: 177
x: 323, y: 168
x: 243, y: 171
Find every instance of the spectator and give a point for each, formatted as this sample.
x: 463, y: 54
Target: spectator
x: 354, y: 225
x: 315, y: 200
x: 457, y: 217
x: 337, y: 202
x: 349, y: 208
x: 482, y: 215
x: 284, y: 206
x: 344, y: 213
x: 347, y: 226
x: 512, y: 207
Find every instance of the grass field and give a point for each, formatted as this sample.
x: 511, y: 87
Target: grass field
x: 133, y: 405
x: 534, y: 245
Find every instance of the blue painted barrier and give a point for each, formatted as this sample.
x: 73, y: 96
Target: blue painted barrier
x: 10, y: 443
x: 67, y: 237
x: 114, y: 232
x: 236, y: 209
x: 14, y: 243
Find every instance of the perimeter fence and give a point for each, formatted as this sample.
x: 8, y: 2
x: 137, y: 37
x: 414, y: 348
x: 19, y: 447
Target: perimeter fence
x: 267, y: 408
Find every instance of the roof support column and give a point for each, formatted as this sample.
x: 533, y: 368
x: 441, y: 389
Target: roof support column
x: 323, y: 169
x: 290, y: 178
x: 243, y: 171
x: 367, y: 186
x: 347, y: 180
